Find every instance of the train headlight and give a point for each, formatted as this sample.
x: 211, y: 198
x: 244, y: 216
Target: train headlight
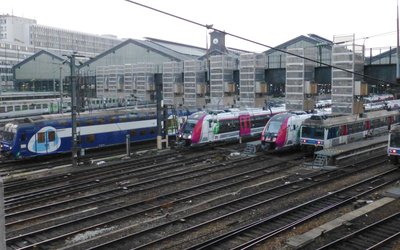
x: 190, y: 137
x: 393, y: 151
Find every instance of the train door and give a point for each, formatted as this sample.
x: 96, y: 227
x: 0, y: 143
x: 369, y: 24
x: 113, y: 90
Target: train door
x: 44, y: 141
x: 244, y: 124
x: 389, y: 122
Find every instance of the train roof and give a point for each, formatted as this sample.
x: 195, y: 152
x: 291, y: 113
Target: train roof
x: 335, y: 120
x: 395, y: 128
x: 84, y: 115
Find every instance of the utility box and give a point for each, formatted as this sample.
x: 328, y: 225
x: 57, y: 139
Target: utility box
x: 229, y: 87
x: 360, y: 88
x: 308, y: 104
x: 261, y: 87
x: 310, y: 88
x: 358, y: 107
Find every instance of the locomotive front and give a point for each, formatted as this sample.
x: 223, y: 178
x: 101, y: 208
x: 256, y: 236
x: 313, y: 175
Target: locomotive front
x: 394, y: 144
x: 274, y: 133
x: 190, y: 131
x: 7, y: 140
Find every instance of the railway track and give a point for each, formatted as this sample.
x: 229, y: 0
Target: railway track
x: 166, y: 208
x: 380, y: 235
x: 16, y: 168
x: 164, y: 199
x: 219, y: 218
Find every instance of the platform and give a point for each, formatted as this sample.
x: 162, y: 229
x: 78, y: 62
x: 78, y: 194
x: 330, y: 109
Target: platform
x: 332, y: 156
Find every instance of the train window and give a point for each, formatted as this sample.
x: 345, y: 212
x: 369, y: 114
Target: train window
x: 132, y: 133
x: 40, y: 137
x: 89, y: 122
x: 51, y: 135
x: 32, y: 106
x: 333, y: 132
x: 90, y: 138
x: 113, y: 119
x: 24, y: 107
x: 38, y: 106
x: 306, y: 132
x: 23, y: 136
x: 101, y: 121
x: 143, y: 132
x: 319, y: 133
x: 17, y: 108
x: 122, y: 119
x: 10, y: 108
x: 45, y: 105
x: 2, y: 109
x: 152, y: 131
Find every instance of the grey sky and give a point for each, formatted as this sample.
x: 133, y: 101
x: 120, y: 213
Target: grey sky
x: 269, y: 22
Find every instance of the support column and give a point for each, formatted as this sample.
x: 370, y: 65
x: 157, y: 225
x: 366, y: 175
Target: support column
x: 2, y: 217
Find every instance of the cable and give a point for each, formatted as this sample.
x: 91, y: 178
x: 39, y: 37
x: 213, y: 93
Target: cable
x: 258, y: 43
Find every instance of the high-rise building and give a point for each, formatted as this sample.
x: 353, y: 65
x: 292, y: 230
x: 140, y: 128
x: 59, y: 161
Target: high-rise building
x: 22, y: 37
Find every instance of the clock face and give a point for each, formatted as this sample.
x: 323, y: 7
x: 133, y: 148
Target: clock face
x: 215, y: 41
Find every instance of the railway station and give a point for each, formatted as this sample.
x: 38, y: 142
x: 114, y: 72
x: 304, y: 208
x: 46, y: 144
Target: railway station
x: 129, y: 143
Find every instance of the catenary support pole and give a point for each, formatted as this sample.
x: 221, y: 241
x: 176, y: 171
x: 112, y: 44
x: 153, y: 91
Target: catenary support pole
x: 2, y: 217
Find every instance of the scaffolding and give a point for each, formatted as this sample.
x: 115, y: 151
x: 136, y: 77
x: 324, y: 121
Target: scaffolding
x: 222, y: 86
x: 145, y: 84
x: 129, y: 80
x: 349, y: 56
x: 253, y: 88
x: 172, y: 83
x: 194, y: 83
x: 299, y: 73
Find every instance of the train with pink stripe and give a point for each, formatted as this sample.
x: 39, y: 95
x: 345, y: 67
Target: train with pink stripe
x: 283, y: 131
x: 202, y: 128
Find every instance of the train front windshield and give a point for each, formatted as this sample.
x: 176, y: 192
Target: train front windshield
x: 188, y: 126
x: 7, y: 136
x: 312, y: 132
x: 273, y: 127
x: 395, y: 139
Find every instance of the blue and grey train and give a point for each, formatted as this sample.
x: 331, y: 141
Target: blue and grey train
x: 322, y: 132
x: 393, y: 150
x: 51, y: 134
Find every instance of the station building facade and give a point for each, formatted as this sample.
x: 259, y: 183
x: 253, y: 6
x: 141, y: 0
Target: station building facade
x: 192, y: 76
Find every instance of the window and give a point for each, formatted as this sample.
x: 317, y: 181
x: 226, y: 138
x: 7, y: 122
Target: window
x: 23, y: 136
x: 152, y: 131
x: 142, y: 132
x: 40, y: 137
x: 132, y: 133
x: 90, y: 138
x: 52, y: 136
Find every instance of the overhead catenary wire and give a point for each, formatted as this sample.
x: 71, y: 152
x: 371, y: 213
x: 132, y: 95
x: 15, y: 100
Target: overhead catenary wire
x: 258, y: 43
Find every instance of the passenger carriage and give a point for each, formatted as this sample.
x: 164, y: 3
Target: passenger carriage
x: 321, y: 131
x: 203, y: 128
x: 51, y: 134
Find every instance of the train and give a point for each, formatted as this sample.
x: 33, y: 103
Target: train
x: 25, y: 138
x: 283, y: 131
x: 324, y: 131
x: 28, y: 107
x: 204, y: 128
x: 393, y: 149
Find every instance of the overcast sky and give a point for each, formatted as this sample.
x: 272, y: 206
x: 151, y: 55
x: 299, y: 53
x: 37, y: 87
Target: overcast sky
x: 269, y: 22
